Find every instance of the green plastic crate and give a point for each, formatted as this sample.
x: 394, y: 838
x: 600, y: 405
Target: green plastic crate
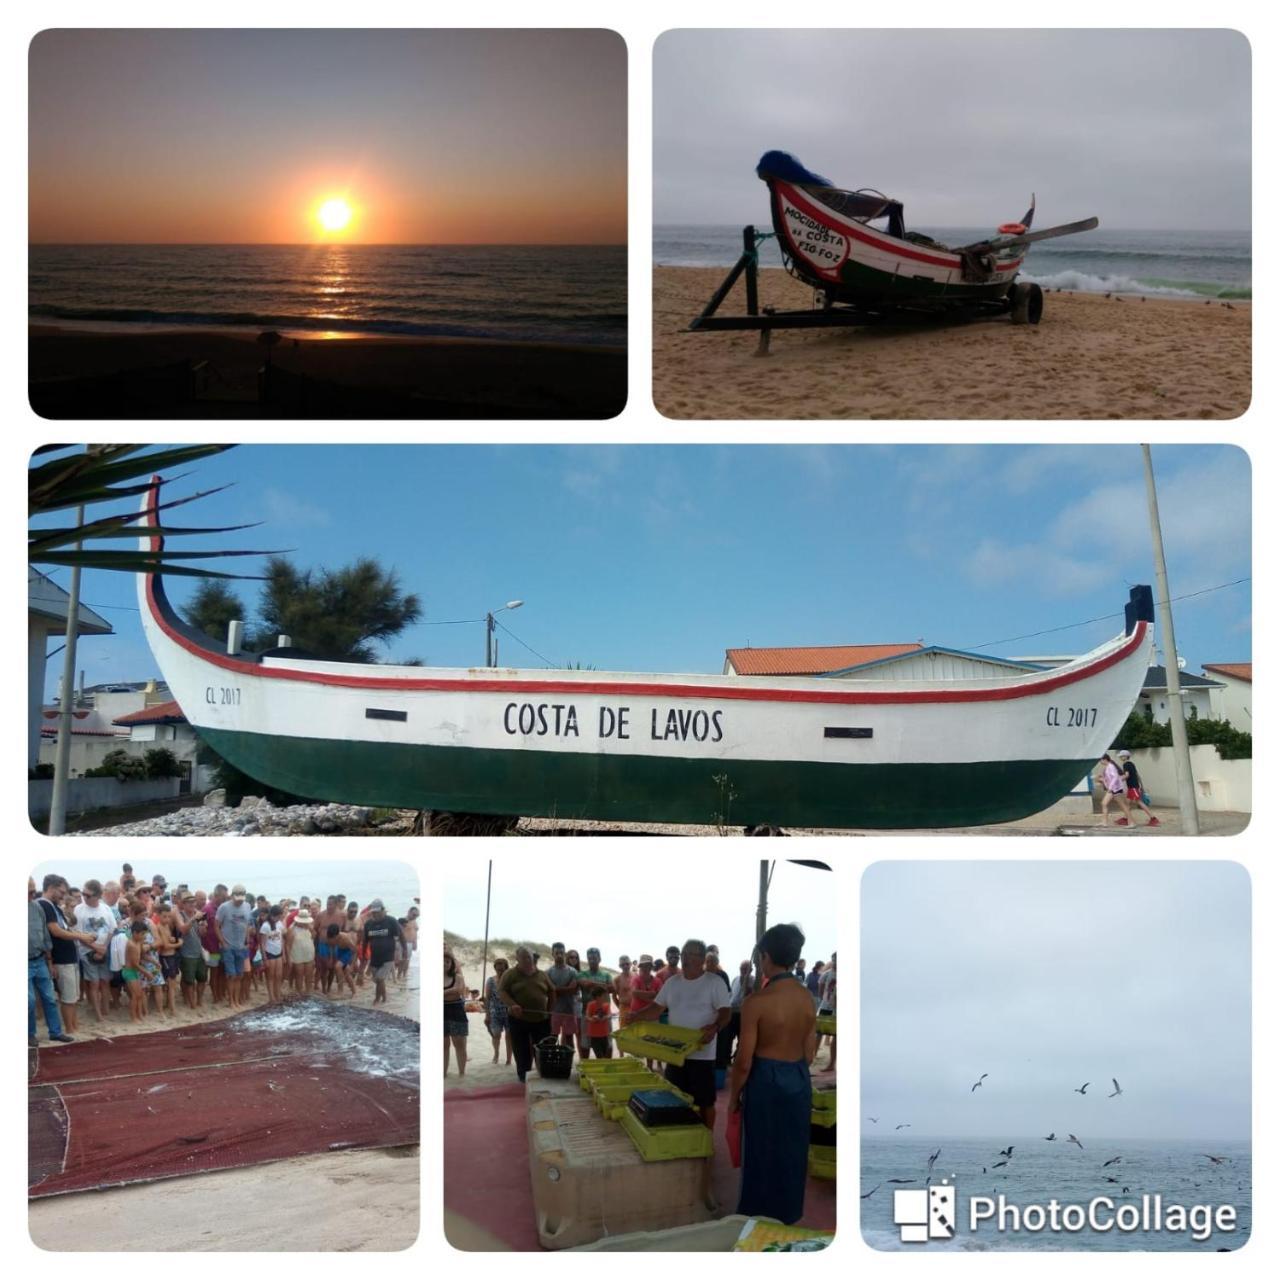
x: 826, y: 1025
x: 612, y: 1100
x: 822, y: 1162
x: 645, y: 1040
x: 670, y: 1142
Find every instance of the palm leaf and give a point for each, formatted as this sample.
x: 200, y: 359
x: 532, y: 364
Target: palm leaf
x: 144, y: 566
x: 88, y: 477
x: 119, y: 526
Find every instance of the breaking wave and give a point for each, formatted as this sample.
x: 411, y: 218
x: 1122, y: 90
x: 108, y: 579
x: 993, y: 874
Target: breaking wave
x: 1085, y: 282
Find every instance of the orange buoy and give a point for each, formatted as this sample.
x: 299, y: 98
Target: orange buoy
x: 1011, y: 229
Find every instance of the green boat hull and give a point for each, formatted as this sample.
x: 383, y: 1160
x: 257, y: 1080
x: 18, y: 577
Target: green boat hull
x: 868, y: 286
x: 638, y: 788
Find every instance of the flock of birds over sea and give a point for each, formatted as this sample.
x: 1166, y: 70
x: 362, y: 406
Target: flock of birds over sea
x: 1006, y: 1153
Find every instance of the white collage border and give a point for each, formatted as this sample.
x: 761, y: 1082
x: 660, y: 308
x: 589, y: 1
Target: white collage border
x: 641, y: 424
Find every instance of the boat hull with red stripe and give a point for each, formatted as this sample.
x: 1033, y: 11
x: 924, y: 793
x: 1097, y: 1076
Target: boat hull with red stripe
x: 856, y: 263
x: 727, y: 750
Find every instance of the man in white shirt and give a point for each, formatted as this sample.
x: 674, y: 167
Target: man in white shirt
x: 93, y: 916
x: 694, y: 997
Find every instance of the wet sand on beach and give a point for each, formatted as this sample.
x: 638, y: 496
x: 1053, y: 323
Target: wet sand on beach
x: 471, y: 376
x: 1090, y: 357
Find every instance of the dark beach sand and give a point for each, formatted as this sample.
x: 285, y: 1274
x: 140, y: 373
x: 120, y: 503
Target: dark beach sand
x: 1090, y: 357
x: 90, y: 374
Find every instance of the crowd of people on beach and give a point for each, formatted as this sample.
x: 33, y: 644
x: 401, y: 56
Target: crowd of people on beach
x: 140, y: 946
x: 585, y: 1000
x: 758, y: 1036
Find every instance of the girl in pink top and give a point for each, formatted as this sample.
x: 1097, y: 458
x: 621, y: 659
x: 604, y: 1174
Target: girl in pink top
x: 1113, y: 788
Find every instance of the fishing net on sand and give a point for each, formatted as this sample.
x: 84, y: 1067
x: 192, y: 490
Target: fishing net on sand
x: 296, y: 1079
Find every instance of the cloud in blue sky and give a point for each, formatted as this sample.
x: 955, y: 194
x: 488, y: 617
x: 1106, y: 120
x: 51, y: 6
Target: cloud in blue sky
x: 658, y: 558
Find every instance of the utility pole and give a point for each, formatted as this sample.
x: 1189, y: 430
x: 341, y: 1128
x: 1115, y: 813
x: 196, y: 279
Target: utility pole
x: 62, y: 752
x: 1177, y: 725
x: 762, y: 919
x: 484, y: 964
x: 488, y: 640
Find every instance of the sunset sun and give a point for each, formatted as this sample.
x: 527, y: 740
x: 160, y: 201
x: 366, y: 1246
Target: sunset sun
x: 334, y: 214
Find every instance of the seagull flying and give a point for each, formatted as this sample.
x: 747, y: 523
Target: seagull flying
x: 874, y: 1119
x: 981, y: 1078
x: 1113, y: 1179
x: 999, y: 1164
x: 1081, y: 1089
x: 1113, y: 1160
x: 1052, y: 1137
x: 1214, y: 1159
x: 901, y: 1179
x: 872, y: 1192
x: 934, y: 1157
x: 1008, y: 1151
x: 1118, y: 1091
x: 901, y: 1126
x: 1071, y: 1137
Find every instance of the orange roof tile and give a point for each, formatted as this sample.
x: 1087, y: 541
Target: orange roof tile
x: 149, y: 715
x: 1238, y: 670
x: 813, y: 659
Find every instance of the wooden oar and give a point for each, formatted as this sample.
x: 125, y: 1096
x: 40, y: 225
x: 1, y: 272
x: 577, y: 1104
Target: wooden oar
x: 1029, y: 237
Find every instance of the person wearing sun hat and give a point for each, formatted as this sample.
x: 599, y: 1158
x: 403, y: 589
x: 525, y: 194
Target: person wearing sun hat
x: 300, y: 952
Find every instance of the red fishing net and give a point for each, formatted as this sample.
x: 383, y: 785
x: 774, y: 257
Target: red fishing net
x: 295, y: 1079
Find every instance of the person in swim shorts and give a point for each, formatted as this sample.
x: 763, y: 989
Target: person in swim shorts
x: 132, y: 971
x: 342, y: 947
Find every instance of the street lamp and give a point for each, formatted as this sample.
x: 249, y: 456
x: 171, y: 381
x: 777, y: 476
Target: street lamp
x: 491, y: 640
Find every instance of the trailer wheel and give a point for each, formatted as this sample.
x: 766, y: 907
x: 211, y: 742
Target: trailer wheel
x: 1026, y: 303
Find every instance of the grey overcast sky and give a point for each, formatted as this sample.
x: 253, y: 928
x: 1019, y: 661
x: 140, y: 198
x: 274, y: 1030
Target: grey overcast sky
x: 1144, y: 129
x: 1047, y: 975
x: 620, y: 910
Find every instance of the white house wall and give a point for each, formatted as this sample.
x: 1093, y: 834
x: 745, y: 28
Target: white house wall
x: 1194, y: 701
x: 1234, y: 702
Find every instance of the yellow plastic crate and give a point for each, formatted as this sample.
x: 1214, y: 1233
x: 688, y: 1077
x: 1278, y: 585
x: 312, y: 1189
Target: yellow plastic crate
x: 594, y: 1068
x: 658, y: 1041
x: 628, y: 1080
x: 668, y: 1142
x: 824, y: 1108
x: 612, y: 1100
x: 822, y: 1162
x: 826, y: 1025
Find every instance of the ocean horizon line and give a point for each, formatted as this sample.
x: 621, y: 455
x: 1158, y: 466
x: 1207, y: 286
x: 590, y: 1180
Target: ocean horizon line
x: 323, y: 244
x: 1106, y: 227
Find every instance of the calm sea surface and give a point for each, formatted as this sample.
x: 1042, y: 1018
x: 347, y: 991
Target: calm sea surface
x: 1175, y: 264
x: 1040, y: 1171
x: 523, y: 292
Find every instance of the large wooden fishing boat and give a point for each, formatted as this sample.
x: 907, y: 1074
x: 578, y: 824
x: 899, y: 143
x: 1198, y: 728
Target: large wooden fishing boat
x: 854, y: 250
x: 811, y: 752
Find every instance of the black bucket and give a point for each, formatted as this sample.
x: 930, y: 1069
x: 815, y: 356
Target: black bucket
x: 555, y: 1060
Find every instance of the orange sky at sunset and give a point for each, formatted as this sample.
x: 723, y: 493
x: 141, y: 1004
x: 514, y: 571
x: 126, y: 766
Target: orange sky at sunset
x: 239, y: 136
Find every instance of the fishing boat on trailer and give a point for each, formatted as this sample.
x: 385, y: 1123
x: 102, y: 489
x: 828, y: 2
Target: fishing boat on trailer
x: 804, y: 752
x: 862, y: 272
